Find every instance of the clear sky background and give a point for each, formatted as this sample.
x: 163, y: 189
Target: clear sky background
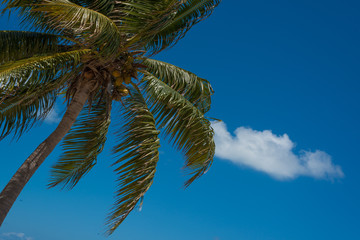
x: 286, y: 80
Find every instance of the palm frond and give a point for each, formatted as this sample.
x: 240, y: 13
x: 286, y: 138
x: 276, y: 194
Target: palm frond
x: 16, y: 45
x: 77, y: 22
x: 40, y: 69
x: 190, y: 13
x: 196, y: 90
x: 29, y: 88
x: 28, y: 18
x: 70, y: 19
x: 82, y: 145
x: 185, y: 124
x: 24, y: 106
x: 102, y: 6
x: 138, y: 156
x: 142, y: 19
x: 11, y: 4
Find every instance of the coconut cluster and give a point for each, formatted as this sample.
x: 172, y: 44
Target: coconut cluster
x: 117, y: 74
x: 123, y: 75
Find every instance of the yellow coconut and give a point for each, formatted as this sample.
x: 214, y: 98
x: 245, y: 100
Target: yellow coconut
x: 116, y: 73
x: 119, y: 81
x: 123, y: 92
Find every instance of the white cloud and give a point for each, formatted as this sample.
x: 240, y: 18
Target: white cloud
x: 272, y: 154
x: 53, y: 117
x: 14, y: 236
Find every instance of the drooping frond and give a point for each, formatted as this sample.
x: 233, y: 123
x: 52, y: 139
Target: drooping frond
x: 138, y: 156
x: 196, y: 90
x: 142, y: 19
x: 189, y: 13
x: 28, y: 18
x: 128, y: 14
x: 102, y: 6
x: 29, y: 88
x: 11, y: 4
x: 40, y: 69
x: 185, y: 124
x: 82, y: 145
x: 70, y: 19
x: 16, y: 45
x: 24, y: 106
x: 76, y: 22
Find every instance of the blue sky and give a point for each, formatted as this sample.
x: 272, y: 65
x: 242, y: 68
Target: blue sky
x: 286, y: 80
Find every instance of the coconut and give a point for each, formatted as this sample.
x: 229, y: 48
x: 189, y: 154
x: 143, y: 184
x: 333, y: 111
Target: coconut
x: 123, y: 92
x: 119, y: 81
x: 116, y: 73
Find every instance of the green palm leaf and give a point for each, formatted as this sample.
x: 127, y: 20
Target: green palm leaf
x: 141, y: 20
x: 16, y: 45
x: 82, y: 145
x: 196, y: 90
x: 185, y: 124
x: 29, y: 88
x: 190, y: 13
x: 73, y: 20
x: 40, y: 69
x: 24, y: 106
x: 29, y: 19
x: 138, y: 156
x: 102, y: 6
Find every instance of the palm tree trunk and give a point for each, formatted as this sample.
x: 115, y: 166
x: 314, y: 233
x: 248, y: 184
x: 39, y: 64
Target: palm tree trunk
x: 33, y: 162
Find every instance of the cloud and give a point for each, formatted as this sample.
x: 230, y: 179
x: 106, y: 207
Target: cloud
x: 52, y: 117
x: 272, y: 154
x: 14, y: 236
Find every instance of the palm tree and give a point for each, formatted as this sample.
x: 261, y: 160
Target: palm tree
x: 97, y: 55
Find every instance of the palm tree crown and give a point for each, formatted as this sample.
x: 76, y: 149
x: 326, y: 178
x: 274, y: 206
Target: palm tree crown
x: 105, y: 46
